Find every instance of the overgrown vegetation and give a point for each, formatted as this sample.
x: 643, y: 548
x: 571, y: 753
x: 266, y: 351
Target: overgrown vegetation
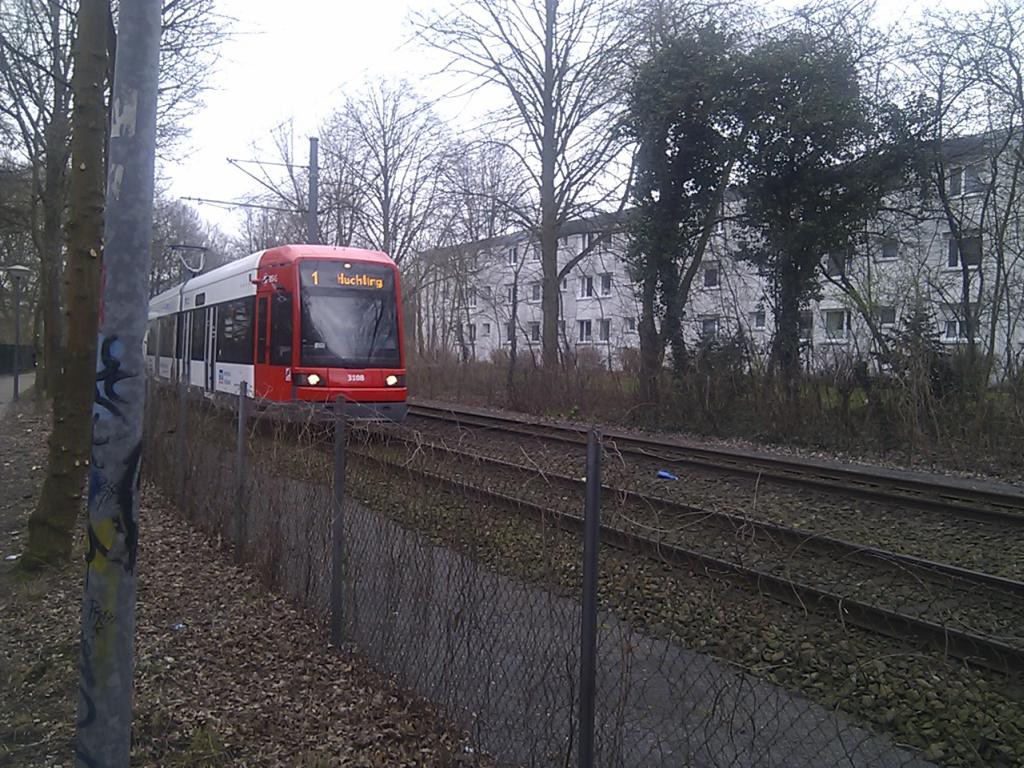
x: 916, y: 412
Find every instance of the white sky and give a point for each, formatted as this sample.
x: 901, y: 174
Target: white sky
x: 294, y: 59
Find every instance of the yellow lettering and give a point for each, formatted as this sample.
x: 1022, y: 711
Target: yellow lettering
x: 360, y: 281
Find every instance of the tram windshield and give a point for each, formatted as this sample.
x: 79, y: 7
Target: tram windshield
x: 349, y: 316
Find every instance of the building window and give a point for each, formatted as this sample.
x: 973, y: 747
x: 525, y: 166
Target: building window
x: 973, y: 184
x: 472, y: 297
x: 486, y: 330
x: 561, y: 327
x: 757, y: 320
x: 806, y: 325
x: 535, y: 253
x: 510, y: 330
x: 534, y: 291
x: 955, y: 329
x: 606, y: 284
x: 474, y: 262
x: 968, y: 253
x: 965, y: 181
x: 513, y: 255
x: 836, y: 264
x: 709, y: 328
x: 630, y: 324
x: 954, y: 181
x: 586, y: 287
x: 604, y: 329
x: 486, y: 291
x: 588, y: 239
x: 534, y: 331
x: 711, y: 276
x: 565, y: 284
x: 509, y: 292
x: 886, y: 315
x: 585, y: 331
x: 837, y: 324
x: 471, y: 332
x: 890, y: 249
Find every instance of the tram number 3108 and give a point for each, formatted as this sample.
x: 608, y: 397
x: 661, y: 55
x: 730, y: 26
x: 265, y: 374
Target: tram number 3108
x: 355, y: 377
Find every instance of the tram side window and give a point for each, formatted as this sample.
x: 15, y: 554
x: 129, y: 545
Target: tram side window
x: 166, y: 336
x: 198, y: 334
x: 234, y: 331
x: 281, y: 330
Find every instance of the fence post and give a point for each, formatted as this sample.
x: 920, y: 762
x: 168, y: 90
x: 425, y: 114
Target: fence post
x: 588, y: 620
x: 240, y: 469
x: 337, y: 526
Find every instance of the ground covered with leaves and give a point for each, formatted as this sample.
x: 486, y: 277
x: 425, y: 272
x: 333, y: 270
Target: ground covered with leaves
x: 226, y: 674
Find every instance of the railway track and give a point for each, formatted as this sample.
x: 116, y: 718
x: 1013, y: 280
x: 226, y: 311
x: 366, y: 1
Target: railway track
x: 949, y: 635
x: 992, y: 653
x: 965, y: 499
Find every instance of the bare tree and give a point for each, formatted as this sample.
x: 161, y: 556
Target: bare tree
x: 52, y: 523
x: 972, y: 66
x: 35, y: 102
x: 35, y: 66
x: 35, y: 97
x: 558, y: 64
x: 399, y: 144
x: 175, y: 223
x: 342, y: 172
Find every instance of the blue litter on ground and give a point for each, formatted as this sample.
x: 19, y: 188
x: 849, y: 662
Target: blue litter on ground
x: 665, y: 475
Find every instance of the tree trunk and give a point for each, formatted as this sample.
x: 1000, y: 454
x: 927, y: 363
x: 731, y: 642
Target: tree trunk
x: 650, y: 346
x: 51, y: 247
x: 55, y: 140
x: 548, y: 205
x: 52, y: 524
x: 786, y: 344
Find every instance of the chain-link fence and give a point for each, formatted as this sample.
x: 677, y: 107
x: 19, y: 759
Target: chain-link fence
x: 454, y: 559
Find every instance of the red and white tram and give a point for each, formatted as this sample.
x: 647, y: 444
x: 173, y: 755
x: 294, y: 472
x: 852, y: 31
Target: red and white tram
x: 297, y: 322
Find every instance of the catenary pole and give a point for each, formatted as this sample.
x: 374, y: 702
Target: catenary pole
x: 312, y: 219
x: 108, y: 607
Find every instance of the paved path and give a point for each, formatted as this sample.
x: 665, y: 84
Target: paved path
x: 25, y: 382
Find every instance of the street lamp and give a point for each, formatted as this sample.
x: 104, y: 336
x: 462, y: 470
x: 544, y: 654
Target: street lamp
x: 17, y: 273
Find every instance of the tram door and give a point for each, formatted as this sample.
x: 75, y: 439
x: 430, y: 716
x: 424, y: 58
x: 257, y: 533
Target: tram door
x: 210, y: 376
x: 262, y: 372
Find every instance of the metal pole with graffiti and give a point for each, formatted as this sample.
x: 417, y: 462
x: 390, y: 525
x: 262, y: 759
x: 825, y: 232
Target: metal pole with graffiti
x: 108, y: 607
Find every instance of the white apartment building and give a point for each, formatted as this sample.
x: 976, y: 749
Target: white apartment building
x: 903, y: 258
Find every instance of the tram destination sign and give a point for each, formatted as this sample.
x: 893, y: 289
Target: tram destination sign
x: 344, y: 274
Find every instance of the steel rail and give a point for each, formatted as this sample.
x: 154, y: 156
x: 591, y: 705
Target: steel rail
x: 798, y: 536
x: 1002, y: 507
x: 970, y: 647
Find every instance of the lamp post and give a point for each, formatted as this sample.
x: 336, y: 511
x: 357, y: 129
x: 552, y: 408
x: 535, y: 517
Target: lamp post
x: 17, y: 273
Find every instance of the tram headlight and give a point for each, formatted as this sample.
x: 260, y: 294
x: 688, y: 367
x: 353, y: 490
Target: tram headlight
x: 391, y: 380
x: 313, y: 379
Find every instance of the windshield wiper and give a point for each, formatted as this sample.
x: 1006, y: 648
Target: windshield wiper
x: 373, y: 338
